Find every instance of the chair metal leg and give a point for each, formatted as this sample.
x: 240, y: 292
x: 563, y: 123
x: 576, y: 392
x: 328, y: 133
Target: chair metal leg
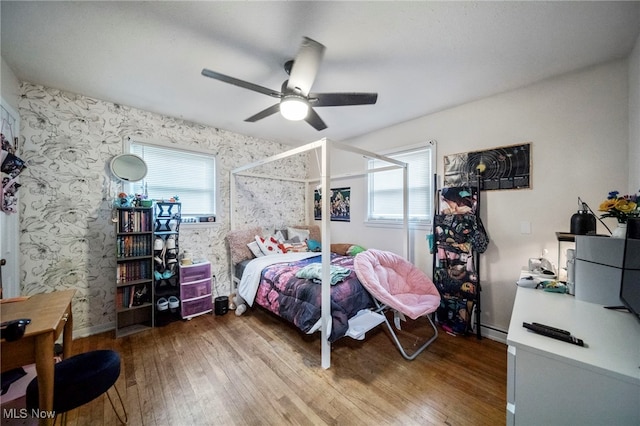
x: 126, y: 418
x: 381, y: 308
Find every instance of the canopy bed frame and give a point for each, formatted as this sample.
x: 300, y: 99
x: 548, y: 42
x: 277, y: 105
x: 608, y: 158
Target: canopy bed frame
x: 326, y: 147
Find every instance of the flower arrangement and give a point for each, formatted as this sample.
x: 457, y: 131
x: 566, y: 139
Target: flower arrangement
x: 622, y: 207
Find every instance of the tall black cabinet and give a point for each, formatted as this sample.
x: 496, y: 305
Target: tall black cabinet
x: 166, y: 230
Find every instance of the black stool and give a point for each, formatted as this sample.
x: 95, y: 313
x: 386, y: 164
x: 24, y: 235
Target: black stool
x: 79, y: 380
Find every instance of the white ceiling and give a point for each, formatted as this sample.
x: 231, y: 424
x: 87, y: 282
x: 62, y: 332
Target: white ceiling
x: 420, y: 57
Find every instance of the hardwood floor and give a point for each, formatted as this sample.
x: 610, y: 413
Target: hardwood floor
x: 258, y: 370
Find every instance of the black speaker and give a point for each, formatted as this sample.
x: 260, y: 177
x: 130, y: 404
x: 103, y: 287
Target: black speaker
x: 221, y: 305
x: 633, y: 228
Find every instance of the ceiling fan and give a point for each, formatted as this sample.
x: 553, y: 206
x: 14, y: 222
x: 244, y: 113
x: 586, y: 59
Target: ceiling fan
x: 296, y: 101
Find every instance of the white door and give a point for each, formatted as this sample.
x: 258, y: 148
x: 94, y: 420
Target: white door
x: 9, y: 223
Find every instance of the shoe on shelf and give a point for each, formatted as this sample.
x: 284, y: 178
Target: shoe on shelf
x: 157, y: 275
x: 162, y: 304
x: 174, y: 303
x: 167, y: 274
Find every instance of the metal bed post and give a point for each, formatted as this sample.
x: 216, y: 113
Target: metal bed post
x: 325, y: 231
x: 476, y: 255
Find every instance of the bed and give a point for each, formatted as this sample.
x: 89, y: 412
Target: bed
x: 325, y: 147
x: 289, y: 284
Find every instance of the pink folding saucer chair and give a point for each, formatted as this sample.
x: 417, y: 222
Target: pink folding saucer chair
x: 397, y: 285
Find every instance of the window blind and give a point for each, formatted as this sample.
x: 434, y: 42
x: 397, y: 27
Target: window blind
x: 172, y: 172
x: 385, y: 188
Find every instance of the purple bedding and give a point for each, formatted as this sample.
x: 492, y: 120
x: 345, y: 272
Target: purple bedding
x: 297, y: 300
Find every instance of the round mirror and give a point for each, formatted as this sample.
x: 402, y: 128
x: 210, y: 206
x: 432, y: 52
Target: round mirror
x: 128, y: 167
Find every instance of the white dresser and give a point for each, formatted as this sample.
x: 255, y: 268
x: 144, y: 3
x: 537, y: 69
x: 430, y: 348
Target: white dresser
x: 551, y: 382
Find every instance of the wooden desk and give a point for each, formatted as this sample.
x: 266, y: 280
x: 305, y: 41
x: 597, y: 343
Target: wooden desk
x: 50, y: 315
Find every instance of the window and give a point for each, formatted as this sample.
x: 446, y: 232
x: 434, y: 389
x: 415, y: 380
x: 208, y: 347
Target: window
x: 187, y: 174
x: 385, y: 188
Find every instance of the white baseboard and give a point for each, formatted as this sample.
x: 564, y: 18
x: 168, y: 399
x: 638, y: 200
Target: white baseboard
x: 494, y: 333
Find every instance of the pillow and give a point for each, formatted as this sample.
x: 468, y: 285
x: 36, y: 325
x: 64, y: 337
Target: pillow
x: 280, y: 236
x: 255, y: 249
x: 270, y: 245
x: 355, y: 249
x: 238, y: 241
x: 313, y: 245
x: 340, y: 248
x: 302, y: 234
x: 314, y: 231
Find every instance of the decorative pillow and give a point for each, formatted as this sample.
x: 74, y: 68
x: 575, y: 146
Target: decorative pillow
x: 340, y: 248
x: 280, y: 236
x: 302, y: 234
x: 270, y: 245
x: 355, y: 249
x: 313, y: 245
x: 238, y: 241
x: 255, y: 249
x: 314, y: 231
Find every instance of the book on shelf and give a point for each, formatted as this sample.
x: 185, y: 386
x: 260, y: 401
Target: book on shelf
x: 134, y: 220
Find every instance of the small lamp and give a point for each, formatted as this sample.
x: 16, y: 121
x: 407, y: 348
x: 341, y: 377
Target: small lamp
x: 582, y: 222
x: 294, y: 107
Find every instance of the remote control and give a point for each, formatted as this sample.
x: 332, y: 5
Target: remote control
x: 553, y: 334
x: 559, y: 330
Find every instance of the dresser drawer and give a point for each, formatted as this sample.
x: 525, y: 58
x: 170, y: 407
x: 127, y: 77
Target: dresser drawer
x: 197, y: 272
x: 195, y: 289
x: 191, y: 308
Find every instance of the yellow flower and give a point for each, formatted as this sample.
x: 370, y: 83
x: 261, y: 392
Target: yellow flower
x: 607, y: 205
x: 625, y: 206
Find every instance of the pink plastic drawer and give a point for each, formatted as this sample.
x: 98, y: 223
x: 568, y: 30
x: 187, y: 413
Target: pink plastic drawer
x: 195, y: 289
x: 197, y: 272
x: 195, y: 307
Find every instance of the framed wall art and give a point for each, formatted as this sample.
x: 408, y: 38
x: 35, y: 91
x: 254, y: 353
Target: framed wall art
x: 507, y: 167
x: 339, y: 204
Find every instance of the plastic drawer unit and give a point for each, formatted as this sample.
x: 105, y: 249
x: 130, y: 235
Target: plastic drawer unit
x: 195, y: 290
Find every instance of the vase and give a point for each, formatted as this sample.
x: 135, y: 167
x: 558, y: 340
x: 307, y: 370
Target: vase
x: 620, y: 231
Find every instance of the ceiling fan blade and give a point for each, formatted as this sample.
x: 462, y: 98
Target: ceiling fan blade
x: 264, y: 113
x: 340, y: 99
x: 241, y: 83
x: 305, y: 66
x: 314, y: 119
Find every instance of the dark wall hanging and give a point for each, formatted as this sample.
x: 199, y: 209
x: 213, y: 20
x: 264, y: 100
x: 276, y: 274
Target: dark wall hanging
x: 339, y: 204
x: 507, y: 167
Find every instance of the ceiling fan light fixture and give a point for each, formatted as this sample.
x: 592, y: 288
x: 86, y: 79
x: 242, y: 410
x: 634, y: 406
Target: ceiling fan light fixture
x: 294, y: 108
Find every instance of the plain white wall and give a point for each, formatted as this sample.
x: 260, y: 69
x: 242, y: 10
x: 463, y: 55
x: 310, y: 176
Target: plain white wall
x: 578, y: 125
x: 9, y: 85
x: 634, y: 119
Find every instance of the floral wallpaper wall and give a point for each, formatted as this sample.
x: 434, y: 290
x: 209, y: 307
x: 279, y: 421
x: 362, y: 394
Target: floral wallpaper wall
x: 67, y: 238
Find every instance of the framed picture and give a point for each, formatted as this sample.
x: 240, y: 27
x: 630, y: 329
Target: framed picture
x: 339, y: 204
x: 507, y: 167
